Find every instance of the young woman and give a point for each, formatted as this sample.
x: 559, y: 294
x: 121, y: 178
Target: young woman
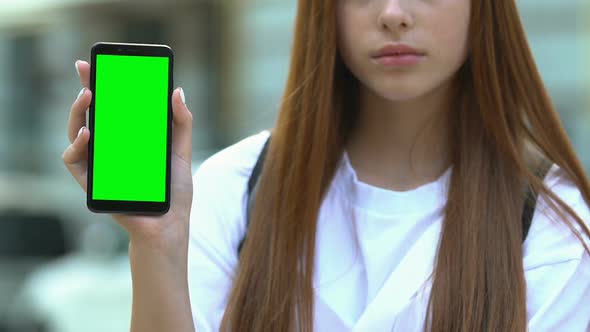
x: 391, y: 197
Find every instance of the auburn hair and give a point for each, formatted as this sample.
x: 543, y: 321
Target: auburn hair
x: 503, y: 123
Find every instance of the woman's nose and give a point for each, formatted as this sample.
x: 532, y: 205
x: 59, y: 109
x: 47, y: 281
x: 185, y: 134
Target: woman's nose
x: 395, y: 15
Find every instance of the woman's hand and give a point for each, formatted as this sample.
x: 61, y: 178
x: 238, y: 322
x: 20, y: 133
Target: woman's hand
x: 168, y: 232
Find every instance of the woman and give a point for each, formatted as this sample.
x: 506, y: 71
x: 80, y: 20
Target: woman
x: 392, y: 191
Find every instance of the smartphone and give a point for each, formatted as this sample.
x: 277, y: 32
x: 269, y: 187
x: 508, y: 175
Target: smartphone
x: 130, y: 122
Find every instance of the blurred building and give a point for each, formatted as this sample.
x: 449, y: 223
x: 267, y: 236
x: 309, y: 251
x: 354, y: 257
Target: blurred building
x: 231, y: 57
x: 559, y: 37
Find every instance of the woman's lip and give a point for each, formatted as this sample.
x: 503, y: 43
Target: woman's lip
x: 396, y: 49
x: 399, y: 60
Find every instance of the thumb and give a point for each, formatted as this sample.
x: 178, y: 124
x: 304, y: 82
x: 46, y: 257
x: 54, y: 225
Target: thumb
x: 182, y: 127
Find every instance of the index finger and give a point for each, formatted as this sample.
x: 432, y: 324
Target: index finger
x: 83, y: 69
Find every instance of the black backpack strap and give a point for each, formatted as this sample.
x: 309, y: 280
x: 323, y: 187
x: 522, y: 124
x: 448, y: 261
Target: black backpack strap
x: 252, y: 182
x: 530, y: 202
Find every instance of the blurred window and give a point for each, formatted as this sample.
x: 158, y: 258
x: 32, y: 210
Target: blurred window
x: 26, y: 90
x: 23, y: 234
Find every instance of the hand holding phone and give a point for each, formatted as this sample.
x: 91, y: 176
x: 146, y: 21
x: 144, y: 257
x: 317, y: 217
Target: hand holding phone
x: 141, y: 227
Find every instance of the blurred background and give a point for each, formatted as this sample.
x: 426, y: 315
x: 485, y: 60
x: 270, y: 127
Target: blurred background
x: 65, y: 269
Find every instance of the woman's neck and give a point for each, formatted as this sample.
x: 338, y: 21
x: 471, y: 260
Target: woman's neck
x: 401, y: 145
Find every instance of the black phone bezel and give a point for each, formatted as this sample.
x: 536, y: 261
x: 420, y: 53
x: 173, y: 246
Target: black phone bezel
x: 129, y: 207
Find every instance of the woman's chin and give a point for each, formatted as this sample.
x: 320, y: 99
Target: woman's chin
x: 400, y: 94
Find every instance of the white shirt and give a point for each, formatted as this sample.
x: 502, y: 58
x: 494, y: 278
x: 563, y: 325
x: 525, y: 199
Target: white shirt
x: 380, y: 278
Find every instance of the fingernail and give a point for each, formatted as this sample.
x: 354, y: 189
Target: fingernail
x: 182, y: 96
x: 81, y: 93
x: 77, y: 70
x: 80, y: 131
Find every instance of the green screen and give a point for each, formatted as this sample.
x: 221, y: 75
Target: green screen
x: 130, y: 128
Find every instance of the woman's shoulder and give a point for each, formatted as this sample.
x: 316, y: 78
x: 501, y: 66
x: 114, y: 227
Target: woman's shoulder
x: 232, y: 163
x: 556, y: 264
x: 550, y: 239
x: 220, y: 182
x: 218, y: 207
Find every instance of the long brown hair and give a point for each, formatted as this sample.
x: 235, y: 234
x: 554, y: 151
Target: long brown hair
x: 503, y: 114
